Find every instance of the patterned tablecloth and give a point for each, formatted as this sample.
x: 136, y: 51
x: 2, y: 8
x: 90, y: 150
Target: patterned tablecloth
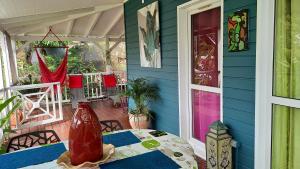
x: 172, y: 146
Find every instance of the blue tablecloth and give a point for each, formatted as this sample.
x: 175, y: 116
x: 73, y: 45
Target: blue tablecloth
x: 31, y: 156
x: 151, y: 160
x: 121, y: 139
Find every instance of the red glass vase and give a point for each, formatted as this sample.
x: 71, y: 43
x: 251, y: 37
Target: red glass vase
x: 85, y: 137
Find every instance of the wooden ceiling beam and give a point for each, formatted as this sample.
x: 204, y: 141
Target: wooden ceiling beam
x: 33, y: 18
x: 32, y: 27
x: 92, y: 24
x: 71, y: 38
x: 34, y: 22
x: 113, y: 22
x: 121, y: 39
x: 70, y: 27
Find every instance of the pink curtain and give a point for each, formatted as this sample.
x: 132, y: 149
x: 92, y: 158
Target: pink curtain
x: 206, y: 109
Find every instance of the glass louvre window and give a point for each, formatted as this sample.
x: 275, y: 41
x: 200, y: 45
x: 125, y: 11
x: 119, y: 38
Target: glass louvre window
x: 286, y: 86
x: 205, y: 71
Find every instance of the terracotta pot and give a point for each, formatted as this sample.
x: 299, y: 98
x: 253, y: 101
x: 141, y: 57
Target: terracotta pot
x: 13, y: 118
x: 85, y: 137
x: 139, y: 121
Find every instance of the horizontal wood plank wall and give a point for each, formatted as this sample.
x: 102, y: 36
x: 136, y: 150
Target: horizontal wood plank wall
x: 167, y: 109
x: 239, y: 86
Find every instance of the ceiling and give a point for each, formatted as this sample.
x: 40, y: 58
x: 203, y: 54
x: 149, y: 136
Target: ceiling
x: 84, y: 20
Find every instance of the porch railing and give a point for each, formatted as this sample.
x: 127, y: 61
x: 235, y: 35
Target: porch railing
x: 93, y: 88
x: 40, y: 104
x: 93, y: 84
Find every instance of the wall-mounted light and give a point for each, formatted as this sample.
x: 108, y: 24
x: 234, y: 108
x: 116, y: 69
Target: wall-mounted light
x: 143, y: 1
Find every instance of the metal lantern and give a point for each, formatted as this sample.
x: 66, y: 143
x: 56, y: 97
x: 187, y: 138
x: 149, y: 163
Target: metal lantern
x: 218, y: 147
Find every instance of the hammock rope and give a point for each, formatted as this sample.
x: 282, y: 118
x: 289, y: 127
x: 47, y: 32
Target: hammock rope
x: 60, y: 74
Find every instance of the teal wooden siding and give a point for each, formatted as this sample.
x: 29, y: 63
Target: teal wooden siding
x: 238, y: 78
x: 167, y: 109
x: 239, y: 86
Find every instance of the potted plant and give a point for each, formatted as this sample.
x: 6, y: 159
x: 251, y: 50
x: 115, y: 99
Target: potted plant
x: 4, y: 127
x: 142, y: 93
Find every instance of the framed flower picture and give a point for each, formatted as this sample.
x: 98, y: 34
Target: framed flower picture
x: 149, y: 37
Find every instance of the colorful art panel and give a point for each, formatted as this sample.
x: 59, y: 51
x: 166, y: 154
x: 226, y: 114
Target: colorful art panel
x: 238, y: 31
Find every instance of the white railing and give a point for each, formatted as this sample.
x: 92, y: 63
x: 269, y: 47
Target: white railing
x: 40, y: 104
x: 93, y: 88
x: 93, y: 84
x: 66, y: 97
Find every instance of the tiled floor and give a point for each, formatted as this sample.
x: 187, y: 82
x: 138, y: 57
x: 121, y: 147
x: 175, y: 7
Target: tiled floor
x: 103, y: 108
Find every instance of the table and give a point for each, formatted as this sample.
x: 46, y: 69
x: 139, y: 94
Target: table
x: 170, y: 145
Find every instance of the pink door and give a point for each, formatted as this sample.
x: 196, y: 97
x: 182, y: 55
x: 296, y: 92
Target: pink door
x: 206, y: 66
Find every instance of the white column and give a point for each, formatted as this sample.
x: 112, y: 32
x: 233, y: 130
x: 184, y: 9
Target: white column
x: 12, y: 59
x: 1, y: 71
x: 6, y: 71
x: 1, y: 79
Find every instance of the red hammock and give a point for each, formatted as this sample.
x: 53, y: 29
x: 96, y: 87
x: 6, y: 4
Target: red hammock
x: 59, y: 75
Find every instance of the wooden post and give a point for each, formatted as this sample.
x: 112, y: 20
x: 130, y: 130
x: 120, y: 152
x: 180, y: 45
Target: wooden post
x: 13, y: 59
x: 107, y: 56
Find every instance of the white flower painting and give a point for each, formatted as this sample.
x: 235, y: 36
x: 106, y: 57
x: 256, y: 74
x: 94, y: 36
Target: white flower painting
x: 149, y: 37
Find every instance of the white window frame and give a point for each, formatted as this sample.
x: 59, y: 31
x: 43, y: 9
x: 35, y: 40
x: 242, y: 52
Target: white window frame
x: 184, y: 13
x: 264, y: 80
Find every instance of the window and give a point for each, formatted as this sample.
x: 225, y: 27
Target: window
x: 278, y: 85
x: 286, y: 84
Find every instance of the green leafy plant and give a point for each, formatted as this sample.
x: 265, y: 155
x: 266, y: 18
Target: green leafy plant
x: 52, y: 43
x: 141, y: 92
x: 150, y: 35
x: 76, y: 61
x: 29, y: 81
x: 4, y: 121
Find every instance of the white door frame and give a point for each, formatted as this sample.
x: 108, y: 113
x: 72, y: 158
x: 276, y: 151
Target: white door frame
x: 264, y: 54
x: 184, y: 43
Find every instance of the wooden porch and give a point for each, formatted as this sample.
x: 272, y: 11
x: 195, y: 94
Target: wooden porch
x: 103, y: 108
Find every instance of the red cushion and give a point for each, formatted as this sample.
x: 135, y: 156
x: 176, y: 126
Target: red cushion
x: 109, y: 81
x: 75, y: 81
